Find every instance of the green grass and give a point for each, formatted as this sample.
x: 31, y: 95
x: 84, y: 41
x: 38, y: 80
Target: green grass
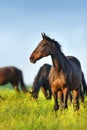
x: 21, y: 112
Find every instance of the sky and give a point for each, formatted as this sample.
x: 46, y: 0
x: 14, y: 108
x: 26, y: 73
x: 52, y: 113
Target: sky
x: 23, y: 21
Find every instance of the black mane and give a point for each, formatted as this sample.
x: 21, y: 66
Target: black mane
x: 56, y: 44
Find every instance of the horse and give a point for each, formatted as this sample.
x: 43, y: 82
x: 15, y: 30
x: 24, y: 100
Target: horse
x: 42, y: 81
x: 65, y: 75
x: 13, y: 75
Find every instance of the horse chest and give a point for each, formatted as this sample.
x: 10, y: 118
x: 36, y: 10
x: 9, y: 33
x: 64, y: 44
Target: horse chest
x: 57, y: 80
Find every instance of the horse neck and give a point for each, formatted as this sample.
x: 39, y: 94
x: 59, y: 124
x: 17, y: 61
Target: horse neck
x: 59, y: 60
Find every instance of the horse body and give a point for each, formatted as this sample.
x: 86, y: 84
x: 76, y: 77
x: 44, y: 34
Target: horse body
x: 12, y: 75
x: 76, y: 61
x: 42, y: 81
x: 76, y: 80
x: 65, y: 74
x: 64, y: 77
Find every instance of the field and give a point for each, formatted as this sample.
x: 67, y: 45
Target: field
x: 21, y: 112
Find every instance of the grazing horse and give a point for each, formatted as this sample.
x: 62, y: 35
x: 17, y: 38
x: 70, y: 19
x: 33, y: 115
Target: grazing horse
x: 42, y: 81
x: 12, y: 75
x: 65, y: 75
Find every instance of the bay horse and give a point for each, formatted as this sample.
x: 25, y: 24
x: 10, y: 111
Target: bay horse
x: 65, y: 75
x: 12, y: 75
x: 41, y: 81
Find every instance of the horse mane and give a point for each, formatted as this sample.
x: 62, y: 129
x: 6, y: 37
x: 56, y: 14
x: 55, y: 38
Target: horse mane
x: 56, y: 43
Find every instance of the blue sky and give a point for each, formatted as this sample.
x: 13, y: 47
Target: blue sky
x: 23, y: 21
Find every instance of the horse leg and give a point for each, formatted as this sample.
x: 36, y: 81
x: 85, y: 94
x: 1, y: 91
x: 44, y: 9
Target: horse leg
x: 55, y: 96
x: 65, y: 93
x: 76, y: 99
x: 24, y: 89
x: 81, y: 94
x: 70, y: 97
x: 16, y: 88
x: 60, y: 97
x: 50, y: 94
x: 15, y: 85
x: 44, y: 92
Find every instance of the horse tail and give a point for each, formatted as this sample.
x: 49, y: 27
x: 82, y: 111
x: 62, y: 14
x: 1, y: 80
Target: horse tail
x: 84, y: 84
x: 23, y: 87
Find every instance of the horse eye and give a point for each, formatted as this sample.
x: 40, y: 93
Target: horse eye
x: 44, y: 45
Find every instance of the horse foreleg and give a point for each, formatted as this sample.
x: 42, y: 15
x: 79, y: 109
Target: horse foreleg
x: 50, y: 94
x: 44, y: 92
x: 76, y: 99
x: 60, y: 97
x: 65, y: 94
x: 55, y: 96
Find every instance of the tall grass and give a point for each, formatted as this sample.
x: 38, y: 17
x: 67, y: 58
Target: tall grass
x: 21, y: 112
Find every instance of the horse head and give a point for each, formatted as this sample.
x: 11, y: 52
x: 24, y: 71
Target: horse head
x: 43, y: 49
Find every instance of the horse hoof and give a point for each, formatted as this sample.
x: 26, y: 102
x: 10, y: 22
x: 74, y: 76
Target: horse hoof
x: 48, y: 98
x: 76, y: 108
x: 56, y: 108
x: 64, y: 106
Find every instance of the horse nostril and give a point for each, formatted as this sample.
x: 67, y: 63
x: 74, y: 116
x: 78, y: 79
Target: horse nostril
x: 31, y: 58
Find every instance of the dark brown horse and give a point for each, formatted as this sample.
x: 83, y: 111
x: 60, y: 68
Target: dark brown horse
x: 41, y: 81
x: 12, y: 75
x: 65, y: 74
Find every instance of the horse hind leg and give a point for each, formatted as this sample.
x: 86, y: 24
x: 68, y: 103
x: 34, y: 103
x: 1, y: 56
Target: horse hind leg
x: 76, y: 99
x: 70, y: 97
x: 16, y: 88
x: 84, y: 84
x: 81, y: 94
x: 24, y: 89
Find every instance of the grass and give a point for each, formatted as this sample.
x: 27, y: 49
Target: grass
x: 21, y: 112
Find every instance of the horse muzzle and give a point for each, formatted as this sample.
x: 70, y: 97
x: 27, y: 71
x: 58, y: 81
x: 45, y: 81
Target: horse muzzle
x: 32, y: 60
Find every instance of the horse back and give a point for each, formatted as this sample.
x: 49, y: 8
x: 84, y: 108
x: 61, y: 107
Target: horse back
x: 75, y: 60
x: 8, y: 74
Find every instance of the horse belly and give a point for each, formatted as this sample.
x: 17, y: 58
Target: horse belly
x: 3, y: 80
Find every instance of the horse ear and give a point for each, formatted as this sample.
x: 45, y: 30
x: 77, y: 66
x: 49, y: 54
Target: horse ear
x: 43, y: 35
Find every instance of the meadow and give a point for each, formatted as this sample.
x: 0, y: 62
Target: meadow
x: 21, y: 112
